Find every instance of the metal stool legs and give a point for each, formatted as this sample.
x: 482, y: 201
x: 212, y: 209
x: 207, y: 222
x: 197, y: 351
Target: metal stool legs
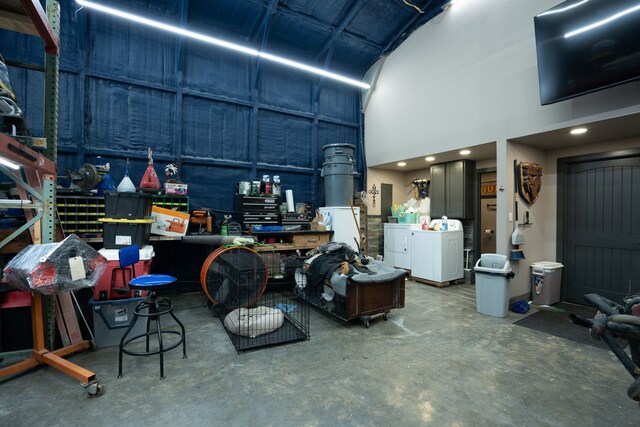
x: 155, y: 308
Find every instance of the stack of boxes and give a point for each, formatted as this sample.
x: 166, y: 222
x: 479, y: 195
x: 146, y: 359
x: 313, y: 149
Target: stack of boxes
x: 127, y: 222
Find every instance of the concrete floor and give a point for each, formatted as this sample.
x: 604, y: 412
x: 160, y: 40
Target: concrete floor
x: 435, y: 362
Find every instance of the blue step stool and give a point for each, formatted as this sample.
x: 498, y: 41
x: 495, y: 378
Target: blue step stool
x: 152, y: 308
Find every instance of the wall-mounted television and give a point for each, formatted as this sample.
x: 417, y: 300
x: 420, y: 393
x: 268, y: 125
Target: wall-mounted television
x: 587, y: 45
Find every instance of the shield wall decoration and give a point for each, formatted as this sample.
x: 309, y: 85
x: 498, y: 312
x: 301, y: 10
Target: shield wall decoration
x: 529, y: 181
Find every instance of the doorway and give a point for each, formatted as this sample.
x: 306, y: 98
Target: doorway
x: 599, y: 225
x: 486, y: 235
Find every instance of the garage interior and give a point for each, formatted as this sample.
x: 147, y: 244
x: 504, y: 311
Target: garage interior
x: 257, y: 189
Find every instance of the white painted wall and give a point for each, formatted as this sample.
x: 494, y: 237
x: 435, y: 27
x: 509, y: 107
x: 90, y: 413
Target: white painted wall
x: 469, y: 77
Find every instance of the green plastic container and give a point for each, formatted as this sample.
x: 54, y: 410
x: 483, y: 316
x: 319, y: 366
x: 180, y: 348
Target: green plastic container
x: 397, y: 210
x: 408, y: 218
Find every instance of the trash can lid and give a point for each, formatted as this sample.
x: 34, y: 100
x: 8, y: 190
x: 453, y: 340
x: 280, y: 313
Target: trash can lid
x: 547, y: 265
x: 493, y: 263
x: 493, y: 260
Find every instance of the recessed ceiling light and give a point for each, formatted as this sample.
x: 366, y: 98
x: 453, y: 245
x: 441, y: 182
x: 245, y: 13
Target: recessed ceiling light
x: 430, y: 159
x: 465, y: 152
x: 402, y: 164
x: 578, y: 131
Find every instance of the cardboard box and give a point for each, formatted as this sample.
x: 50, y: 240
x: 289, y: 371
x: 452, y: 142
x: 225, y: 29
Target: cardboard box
x: 175, y: 189
x: 169, y: 223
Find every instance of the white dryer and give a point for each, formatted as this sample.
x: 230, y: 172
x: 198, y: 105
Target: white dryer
x: 438, y: 255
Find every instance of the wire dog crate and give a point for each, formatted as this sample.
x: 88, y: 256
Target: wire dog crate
x: 254, y: 316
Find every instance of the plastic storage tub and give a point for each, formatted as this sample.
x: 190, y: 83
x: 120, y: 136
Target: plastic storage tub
x: 408, y: 218
x: 546, y: 278
x: 118, y: 235
x: 112, y: 318
x: 110, y: 286
x: 396, y: 210
x: 493, y: 272
x: 127, y: 205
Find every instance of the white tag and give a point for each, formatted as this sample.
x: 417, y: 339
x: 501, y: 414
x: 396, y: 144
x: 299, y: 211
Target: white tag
x: 123, y: 240
x: 77, y: 268
x: 121, y: 315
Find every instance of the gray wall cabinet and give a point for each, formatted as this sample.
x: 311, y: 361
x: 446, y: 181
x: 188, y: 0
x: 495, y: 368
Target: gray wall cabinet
x: 452, y: 189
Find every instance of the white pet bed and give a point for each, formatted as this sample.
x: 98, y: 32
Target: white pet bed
x: 252, y: 322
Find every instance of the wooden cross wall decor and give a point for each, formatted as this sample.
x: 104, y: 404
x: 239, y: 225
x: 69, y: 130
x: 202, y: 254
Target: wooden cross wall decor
x: 373, y: 192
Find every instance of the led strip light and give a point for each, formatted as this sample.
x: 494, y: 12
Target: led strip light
x: 219, y: 42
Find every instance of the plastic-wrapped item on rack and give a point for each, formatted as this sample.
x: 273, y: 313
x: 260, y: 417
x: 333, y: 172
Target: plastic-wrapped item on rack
x: 54, y: 268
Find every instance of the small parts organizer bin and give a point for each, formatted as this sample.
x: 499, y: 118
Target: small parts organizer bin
x: 175, y: 203
x: 127, y: 219
x: 81, y: 214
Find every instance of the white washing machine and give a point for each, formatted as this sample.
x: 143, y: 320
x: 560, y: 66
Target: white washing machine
x: 437, y: 255
x: 397, y: 244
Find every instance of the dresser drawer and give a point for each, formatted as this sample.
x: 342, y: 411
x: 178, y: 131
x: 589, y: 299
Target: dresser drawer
x: 309, y: 240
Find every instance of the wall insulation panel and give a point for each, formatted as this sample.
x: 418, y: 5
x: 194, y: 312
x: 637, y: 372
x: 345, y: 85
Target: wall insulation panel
x: 213, y: 185
x: 215, y: 71
x: 17, y: 46
x: 118, y: 48
x: 337, y: 101
x: 274, y: 78
x: 230, y: 19
x: 225, y: 116
x: 284, y: 140
x: 215, y: 130
x: 331, y: 133
x: 302, y: 48
x: 22, y: 81
x: 70, y: 126
x: 321, y: 9
x: 129, y: 118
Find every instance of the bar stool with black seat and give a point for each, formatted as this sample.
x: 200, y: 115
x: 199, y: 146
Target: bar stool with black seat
x: 152, y: 308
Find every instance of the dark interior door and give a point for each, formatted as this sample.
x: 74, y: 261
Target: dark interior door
x: 386, y: 201
x: 601, y: 251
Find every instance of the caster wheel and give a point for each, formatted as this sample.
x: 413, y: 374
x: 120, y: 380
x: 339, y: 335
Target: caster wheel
x: 385, y: 316
x: 366, y: 324
x: 96, y: 389
x: 634, y: 390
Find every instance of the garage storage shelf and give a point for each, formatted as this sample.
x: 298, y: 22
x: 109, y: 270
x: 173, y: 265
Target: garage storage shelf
x: 176, y: 203
x: 40, y: 184
x: 81, y: 214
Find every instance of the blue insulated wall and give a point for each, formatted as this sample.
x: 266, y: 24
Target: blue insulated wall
x: 225, y: 116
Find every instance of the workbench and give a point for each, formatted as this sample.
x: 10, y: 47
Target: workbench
x: 283, y: 241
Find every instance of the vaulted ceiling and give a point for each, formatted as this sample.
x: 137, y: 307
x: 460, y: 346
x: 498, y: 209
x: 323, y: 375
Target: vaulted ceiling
x: 346, y: 36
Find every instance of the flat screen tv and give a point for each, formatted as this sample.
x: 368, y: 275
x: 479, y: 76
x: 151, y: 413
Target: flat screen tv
x: 587, y: 45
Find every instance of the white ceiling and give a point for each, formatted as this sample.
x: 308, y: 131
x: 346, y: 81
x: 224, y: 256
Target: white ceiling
x: 478, y: 152
x: 600, y: 131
